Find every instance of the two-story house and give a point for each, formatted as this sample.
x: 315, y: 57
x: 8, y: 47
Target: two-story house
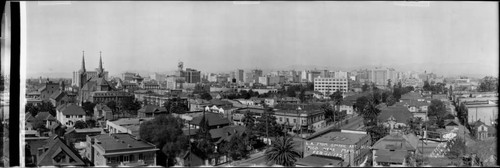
x: 68, y: 114
x: 120, y: 150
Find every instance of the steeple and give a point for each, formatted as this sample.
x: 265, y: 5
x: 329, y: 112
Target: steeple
x: 100, y: 70
x: 83, y: 62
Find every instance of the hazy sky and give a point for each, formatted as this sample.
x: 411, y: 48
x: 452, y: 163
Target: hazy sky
x: 448, y: 38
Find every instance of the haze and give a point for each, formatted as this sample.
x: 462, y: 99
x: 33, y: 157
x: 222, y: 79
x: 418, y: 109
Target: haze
x: 448, y: 38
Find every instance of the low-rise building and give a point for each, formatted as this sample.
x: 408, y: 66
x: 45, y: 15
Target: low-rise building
x: 102, y: 112
x: 329, y: 86
x: 151, y: 111
x: 120, y: 150
x: 485, y: 111
x: 301, y: 120
x: 68, y: 114
x: 215, y: 120
x: 394, y: 117
x: 126, y: 125
x: 345, y: 145
x: 57, y: 153
x: 393, y: 149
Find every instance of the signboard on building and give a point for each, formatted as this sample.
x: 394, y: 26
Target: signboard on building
x: 328, y: 149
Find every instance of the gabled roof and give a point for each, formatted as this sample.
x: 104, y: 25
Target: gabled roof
x: 399, y: 113
x: 29, y: 117
x: 397, y: 142
x: 213, y: 119
x: 71, y: 109
x: 225, y: 133
x: 152, y: 109
x: 55, y: 146
x: 45, y: 116
x: 411, y: 96
x: 218, y: 102
x: 102, y: 107
x: 57, y: 95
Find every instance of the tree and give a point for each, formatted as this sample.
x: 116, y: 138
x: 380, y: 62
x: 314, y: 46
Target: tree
x: 457, y: 148
x: 80, y: 124
x: 88, y: 107
x: 237, y: 147
x: 337, y: 97
x: 488, y: 84
x: 131, y: 106
x: 389, y: 83
x: 302, y: 96
x: 47, y: 106
x: 413, y: 125
x: 175, y: 105
x: 113, y: 106
x: 377, y: 132
x: 365, y: 87
x: 39, y: 125
x: 282, y: 152
x: 165, y: 131
x: 32, y: 109
x: 206, y: 96
x: 91, y: 123
x: 248, y: 120
x: 370, y: 113
x: 437, y: 109
x: 267, y: 124
x: 361, y: 103
x: 328, y: 111
x: 2, y: 87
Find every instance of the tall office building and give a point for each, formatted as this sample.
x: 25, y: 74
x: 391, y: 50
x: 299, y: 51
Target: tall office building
x: 240, y: 75
x: 380, y: 76
x: 328, y: 86
x: 192, y: 75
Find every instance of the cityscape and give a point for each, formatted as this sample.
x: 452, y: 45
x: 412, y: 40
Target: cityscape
x: 200, y: 105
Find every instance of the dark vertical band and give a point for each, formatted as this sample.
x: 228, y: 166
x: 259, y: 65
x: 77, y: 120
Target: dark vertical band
x: 14, y: 84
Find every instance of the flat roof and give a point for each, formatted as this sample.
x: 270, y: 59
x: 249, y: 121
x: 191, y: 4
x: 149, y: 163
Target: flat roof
x: 120, y: 142
x: 348, y: 138
x: 318, y: 161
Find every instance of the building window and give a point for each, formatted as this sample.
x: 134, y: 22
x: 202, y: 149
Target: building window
x: 79, y: 116
x: 67, y: 116
x: 125, y: 158
x: 141, y: 156
x: 294, y: 120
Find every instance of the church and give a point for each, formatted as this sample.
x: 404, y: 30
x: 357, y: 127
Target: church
x: 93, y: 86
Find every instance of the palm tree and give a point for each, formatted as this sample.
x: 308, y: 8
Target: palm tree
x: 282, y: 152
x: 370, y: 112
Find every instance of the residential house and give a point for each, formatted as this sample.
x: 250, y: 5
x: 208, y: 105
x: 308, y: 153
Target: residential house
x: 57, y: 153
x: 393, y: 149
x: 47, y: 118
x: 102, y: 112
x: 120, y: 150
x: 215, y: 120
x: 61, y: 97
x: 394, y: 117
x: 197, y: 104
x: 483, y: 131
x: 151, y: 111
x: 68, y: 114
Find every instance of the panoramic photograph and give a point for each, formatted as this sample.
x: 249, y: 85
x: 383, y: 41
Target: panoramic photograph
x: 257, y: 83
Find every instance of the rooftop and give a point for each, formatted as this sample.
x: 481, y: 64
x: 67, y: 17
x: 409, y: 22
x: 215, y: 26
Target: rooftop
x: 342, y: 137
x: 120, y: 142
x: 213, y: 119
x: 71, y: 109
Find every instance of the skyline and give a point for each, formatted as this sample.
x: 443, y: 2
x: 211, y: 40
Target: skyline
x: 443, y: 37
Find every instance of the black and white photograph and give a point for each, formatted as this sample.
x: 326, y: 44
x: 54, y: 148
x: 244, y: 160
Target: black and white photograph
x: 255, y: 83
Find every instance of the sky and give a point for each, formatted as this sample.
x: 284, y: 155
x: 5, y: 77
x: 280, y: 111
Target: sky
x: 448, y: 38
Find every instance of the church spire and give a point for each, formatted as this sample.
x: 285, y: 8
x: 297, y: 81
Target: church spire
x: 83, y: 62
x: 100, y: 70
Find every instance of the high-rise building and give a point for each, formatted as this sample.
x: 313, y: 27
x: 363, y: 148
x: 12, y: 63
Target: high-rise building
x: 328, y: 86
x: 240, y: 75
x: 192, y: 76
x: 380, y: 76
x: 313, y: 75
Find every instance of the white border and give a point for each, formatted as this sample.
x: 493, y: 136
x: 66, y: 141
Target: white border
x: 22, y: 90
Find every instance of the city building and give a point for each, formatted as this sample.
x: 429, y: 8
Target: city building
x: 149, y: 85
x: 380, y: 76
x: 344, y: 145
x: 47, y: 89
x: 215, y: 120
x: 329, y: 86
x: 160, y: 100
x: 264, y: 80
x: 68, y: 114
x: 107, y: 96
x: 240, y: 75
x: 393, y: 149
x: 120, y: 150
x: 102, y: 112
x: 485, y: 111
x: 301, y: 120
x: 158, y: 77
x: 192, y: 76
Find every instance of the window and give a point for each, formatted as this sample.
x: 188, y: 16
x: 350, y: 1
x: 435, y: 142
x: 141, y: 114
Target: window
x: 294, y: 120
x: 67, y: 116
x: 79, y: 116
x: 131, y: 157
x: 125, y: 158
x: 287, y: 120
x: 281, y: 119
x: 141, y: 156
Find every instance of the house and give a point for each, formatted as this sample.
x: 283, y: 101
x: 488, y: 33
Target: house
x: 347, y: 106
x: 270, y: 101
x: 68, y: 114
x: 197, y: 104
x: 74, y: 135
x: 394, y: 117
x: 393, y: 149
x: 483, y: 131
x: 61, y: 97
x: 119, y: 150
x: 151, y: 111
x: 216, y: 95
x: 305, y: 120
x: 57, y: 153
x: 47, y: 118
x: 214, y: 120
x: 102, y: 111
